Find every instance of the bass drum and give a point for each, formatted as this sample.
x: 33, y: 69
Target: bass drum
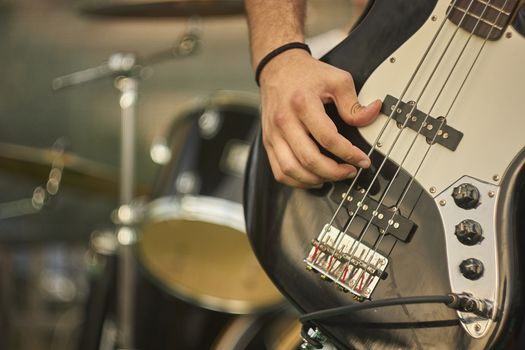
x: 193, y: 241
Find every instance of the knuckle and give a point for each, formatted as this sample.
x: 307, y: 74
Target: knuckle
x: 350, y: 158
x: 298, y: 100
x: 338, y: 176
x: 288, y: 170
x: 309, y: 161
x: 280, y: 177
x: 280, y: 119
x: 327, y: 140
x: 346, y: 79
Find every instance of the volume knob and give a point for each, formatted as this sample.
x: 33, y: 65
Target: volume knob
x: 472, y: 269
x: 469, y: 232
x: 466, y: 196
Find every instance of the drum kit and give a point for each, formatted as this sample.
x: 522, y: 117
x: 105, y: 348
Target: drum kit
x: 181, y: 257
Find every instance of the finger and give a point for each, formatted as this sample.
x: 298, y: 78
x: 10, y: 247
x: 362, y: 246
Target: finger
x: 347, y: 103
x: 279, y: 175
x: 353, y: 113
x: 309, y: 155
x: 325, y: 132
x: 290, y: 166
x: 285, y: 166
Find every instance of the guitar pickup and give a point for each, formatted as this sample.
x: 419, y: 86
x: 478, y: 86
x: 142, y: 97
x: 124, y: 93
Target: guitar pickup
x: 432, y: 128
x: 381, y: 216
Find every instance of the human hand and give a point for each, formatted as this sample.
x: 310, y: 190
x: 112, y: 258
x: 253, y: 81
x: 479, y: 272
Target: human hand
x: 294, y: 87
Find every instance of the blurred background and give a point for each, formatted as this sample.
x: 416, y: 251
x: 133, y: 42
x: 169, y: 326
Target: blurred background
x: 50, y: 271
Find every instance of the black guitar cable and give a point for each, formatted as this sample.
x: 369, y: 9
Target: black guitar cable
x: 343, y: 310
x: 461, y: 302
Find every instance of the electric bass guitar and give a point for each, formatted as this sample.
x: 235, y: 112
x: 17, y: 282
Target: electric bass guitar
x: 424, y: 250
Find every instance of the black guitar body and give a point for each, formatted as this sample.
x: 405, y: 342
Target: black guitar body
x: 282, y: 222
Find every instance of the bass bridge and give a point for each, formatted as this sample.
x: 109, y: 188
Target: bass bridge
x: 350, y: 264
x: 355, y: 264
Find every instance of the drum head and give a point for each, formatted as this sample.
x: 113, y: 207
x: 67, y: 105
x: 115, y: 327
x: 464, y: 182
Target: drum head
x: 209, y: 264
x: 193, y: 242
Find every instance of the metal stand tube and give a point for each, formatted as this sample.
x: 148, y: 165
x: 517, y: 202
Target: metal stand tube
x: 128, y: 87
x: 125, y: 64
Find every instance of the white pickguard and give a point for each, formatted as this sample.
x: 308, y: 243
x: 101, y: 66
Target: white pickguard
x: 488, y: 110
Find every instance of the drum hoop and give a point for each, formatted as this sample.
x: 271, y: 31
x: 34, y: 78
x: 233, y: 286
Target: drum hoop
x: 205, y: 209
x: 220, y: 99
x: 198, y: 208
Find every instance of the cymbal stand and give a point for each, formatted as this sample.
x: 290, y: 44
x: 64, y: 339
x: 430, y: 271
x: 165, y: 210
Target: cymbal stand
x: 126, y: 72
x: 128, y: 87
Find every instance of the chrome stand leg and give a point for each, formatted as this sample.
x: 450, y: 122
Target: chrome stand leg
x: 128, y: 87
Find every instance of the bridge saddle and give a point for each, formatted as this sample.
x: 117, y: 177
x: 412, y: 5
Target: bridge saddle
x: 350, y: 264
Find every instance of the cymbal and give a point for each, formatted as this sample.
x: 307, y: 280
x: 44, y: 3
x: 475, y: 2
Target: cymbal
x: 88, y: 193
x: 177, y: 8
x: 79, y: 172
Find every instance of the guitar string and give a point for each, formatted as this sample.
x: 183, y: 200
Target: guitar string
x: 375, y: 143
x: 389, y: 223
x: 337, y: 241
x: 416, y: 136
x: 395, y: 211
x: 396, y: 208
x: 339, y: 236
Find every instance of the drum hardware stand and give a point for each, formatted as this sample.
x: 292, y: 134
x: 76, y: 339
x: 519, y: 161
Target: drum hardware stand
x: 125, y: 64
x: 42, y: 195
x: 126, y: 72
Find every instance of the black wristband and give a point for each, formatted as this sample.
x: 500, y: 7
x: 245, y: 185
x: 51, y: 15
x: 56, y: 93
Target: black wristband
x: 276, y: 52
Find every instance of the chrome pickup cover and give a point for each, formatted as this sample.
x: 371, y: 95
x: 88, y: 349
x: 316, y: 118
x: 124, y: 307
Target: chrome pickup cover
x: 353, y: 266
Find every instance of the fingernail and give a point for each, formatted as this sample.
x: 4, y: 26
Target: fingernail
x: 317, y: 186
x: 365, y: 163
x: 371, y: 104
x: 351, y: 175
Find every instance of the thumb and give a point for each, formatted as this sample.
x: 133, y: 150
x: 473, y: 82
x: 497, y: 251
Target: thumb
x: 353, y: 113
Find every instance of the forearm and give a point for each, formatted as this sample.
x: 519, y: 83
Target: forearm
x: 294, y: 87
x: 274, y: 23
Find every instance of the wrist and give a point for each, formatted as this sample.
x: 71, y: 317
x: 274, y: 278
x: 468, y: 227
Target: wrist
x: 261, y: 48
x: 288, y: 51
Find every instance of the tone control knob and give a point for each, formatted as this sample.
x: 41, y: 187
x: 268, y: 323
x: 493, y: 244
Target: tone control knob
x: 469, y: 232
x: 466, y: 196
x: 472, y: 269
